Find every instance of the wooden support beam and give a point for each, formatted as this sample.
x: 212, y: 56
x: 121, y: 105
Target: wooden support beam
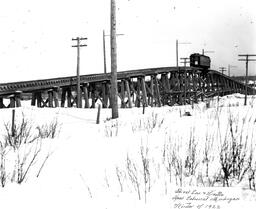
x: 165, y: 81
x: 208, y: 83
x: 133, y: 91
x: 122, y: 95
x: 33, y: 99
x: 109, y: 94
x: 55, y: 96
x: 39, y: 99
x: 86, y: 95
x: 50, y: 98
x: 18, y: 98
x: 194, y: 77
x: 2, y: 103
x: 180, y: 86
x: 93, y: 97
x: 152, y: 91
x: 12, y: 101
x: 138, y: 99
x: 63, y: 96
x: 104, y: 95
x: 69, y: 97
x: 144, y: 92
x: 44, y: 103
x: 158, y: 97
x: 128, y: 93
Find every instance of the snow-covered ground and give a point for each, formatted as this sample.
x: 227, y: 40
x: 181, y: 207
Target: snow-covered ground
x: 136, y: 161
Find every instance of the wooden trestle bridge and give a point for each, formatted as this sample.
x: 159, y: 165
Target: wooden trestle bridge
x: 145, y: 87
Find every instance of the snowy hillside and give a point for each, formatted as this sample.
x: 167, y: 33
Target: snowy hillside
x: 63, y: 159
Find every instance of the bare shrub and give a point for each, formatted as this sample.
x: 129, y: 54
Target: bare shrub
x: 22, y: 133
x: 112, y: 129
x: 25, y: 161
x: 133, y: 174
x: 146, y: 172
x: 43, y: 164
x: 233, y: 154
x: 149, y: 124
x: 3, y: 174
x: 24, y: 147
x: 206, y: 152
x: 48, y: 130
x: 177, y: 165
x: 251, y: 170
x: 121, y: 177
x: 191, y: 162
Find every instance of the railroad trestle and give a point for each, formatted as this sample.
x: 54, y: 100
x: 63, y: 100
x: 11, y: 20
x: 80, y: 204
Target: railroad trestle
x: 145, y: 87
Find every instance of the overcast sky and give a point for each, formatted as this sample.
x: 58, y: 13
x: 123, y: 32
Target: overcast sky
x: 36, y: 35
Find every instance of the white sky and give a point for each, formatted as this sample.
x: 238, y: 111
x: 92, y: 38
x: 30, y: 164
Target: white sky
x: 35, y: 38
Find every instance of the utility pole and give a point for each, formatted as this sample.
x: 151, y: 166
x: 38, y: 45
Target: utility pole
x: 104, y: 50
x: 246, y: 59
x: 177, y: 50
x: 114, y: 90
x: 177, y: 53
x: 104, y: 53
x: 78, y: 39
x: 229, y: 67
x: 185, y: 61
x: 222, y: 70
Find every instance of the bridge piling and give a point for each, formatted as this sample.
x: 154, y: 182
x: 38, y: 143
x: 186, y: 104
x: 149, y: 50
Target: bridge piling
x: 122, y: 94
x: 2, y: 103
x: 152, y: 91
x: 55, y: 96
x: 158, y: 98
x: 128, y: 93
x: 50, y: 98
x: 86, y: 96
x: 63, y: 96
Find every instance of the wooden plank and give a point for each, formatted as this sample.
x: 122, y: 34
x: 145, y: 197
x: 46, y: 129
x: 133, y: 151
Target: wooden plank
x: 158, y: 97
x: 18, y: 99
x: 86, y: 95
x: 144, y: 92
x: 122, y: 95
x: 194, y: 77
x: 69, y: 97
x: 152, y: 91
x: 109, y: 94
x: 50, y: 97
x: 12, y: 101
x: 128, y: 93
x: 55, y: 96
x: 2, y: 103
x: 104, y: 95
x: 33, y: 100
x: 93, y: 98
x: 38, y: 99
x: 63, y: 96
x: 138, y: 100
